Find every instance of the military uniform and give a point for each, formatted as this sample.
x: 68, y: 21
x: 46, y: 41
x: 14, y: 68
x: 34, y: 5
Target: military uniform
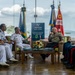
x: 19, y: 41
x: 53, y: 42
x: 5, y: 50
x: 55, y: 37
x: 2, y: 54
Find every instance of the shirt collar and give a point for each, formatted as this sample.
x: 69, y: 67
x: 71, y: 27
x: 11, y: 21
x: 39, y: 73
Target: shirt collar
x: 1, y: 31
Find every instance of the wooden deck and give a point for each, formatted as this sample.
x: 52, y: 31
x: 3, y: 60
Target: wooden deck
x: 36, y: 67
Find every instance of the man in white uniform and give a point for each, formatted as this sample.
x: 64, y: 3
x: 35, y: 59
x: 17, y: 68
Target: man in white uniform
x: 19, y: 40
x: 6, y: 51
x: 3, y: 56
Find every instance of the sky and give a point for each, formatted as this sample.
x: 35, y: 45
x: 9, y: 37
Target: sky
x: 10, y: 12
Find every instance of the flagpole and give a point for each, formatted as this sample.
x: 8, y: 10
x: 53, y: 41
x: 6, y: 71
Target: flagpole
x: 13, y: 13
x: 53, y: 2
x: 23, y: 10
x: 59, y: 4
x: 24, y: 15
x: 35, y: 16
x: 24, y: 2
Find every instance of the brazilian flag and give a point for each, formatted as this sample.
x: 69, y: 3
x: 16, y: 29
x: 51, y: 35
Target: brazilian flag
x: 22, y: 26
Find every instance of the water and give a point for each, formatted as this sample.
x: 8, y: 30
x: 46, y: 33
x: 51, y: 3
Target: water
x: 67, y: 33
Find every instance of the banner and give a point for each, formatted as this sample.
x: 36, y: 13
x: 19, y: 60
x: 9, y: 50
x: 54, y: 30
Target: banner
x: 38, y: 31
x: 22, y: 25
x: 52, y: 21
x: 59, y: 21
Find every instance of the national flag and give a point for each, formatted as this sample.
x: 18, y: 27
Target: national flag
x: 59, y: 22
x: 53, y: 17
x: 22, y: 26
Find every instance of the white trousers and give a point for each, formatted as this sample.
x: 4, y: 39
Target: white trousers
x: 5, y: 52
x: 8, y: 51
x: 2, y: 54
x: 24, y: 46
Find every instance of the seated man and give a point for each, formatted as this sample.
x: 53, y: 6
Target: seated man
x: 19, y: 40
x: 69, y: 54
x: 7, y: 51
x: 54, y: 38
x: 3, y: 55
x: 66, y: 47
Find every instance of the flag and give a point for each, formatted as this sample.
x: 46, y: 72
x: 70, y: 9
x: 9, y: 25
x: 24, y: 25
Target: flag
x: 22, y: 26
x: 59, y: 22
x: 53, y: 17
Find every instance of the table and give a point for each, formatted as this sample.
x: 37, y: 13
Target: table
x: 38, y: 51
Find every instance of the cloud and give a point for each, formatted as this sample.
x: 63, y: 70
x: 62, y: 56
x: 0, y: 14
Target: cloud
x: 0, y: 13
x: 40, y: 11
x: 69, y: 12
x: 11, y: 10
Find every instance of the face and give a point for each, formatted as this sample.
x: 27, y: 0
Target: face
x: 4, y: 28
x: 54, y: 29
x: 69, y: 39
x: 17, y: 30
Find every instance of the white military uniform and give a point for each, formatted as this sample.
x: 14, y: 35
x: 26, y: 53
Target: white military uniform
x: 19, y: 41
x: 5, y: 50
x: 2, y: 54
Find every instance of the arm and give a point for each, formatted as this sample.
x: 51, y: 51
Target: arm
x: 12, y: 38
x: 50, y: 37
x: 1, y: 42
x: 61, y: 38
x: 2, y: 38
x: 26, y: 40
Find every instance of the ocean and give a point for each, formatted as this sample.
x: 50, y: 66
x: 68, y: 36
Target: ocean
x: 47, y: 31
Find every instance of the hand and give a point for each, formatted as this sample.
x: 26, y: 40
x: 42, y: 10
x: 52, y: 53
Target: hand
x: 29, y: 37
x: 1, y: 42
x: 61, y: 42
x: 51, y: 33
x: 9, y: 42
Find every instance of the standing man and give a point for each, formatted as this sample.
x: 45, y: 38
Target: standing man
x: 7, y: 51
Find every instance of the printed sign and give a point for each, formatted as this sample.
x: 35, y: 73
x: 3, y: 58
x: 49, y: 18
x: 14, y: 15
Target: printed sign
x: 38, y: 30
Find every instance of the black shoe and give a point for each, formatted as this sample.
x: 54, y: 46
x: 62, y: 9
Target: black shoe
x: 43, y: 56
x: 65, y: 62
x: 47, y: 55
x: 63, y: 59
x: 69, y: 66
